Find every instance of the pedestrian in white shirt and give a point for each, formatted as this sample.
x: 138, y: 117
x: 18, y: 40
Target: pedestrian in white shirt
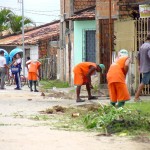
x: 3, y: 69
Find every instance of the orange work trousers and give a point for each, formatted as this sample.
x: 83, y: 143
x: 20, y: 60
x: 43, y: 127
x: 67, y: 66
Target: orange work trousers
x: 32, y: 76
x: 118, y: 92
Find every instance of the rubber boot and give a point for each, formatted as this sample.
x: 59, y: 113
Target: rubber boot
x: 30, y: 82
x: 35, y: 90
x: 113, y: 103
x: 120, y: 104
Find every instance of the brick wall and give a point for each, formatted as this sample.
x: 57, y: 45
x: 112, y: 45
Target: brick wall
x: 126, y: 8
x: 102, y: 8
x: 119, y: 8
x: 42, y: 49
x: 83, y: 4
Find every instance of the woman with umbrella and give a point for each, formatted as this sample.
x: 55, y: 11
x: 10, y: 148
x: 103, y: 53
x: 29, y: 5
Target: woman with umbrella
x: 16, y: 69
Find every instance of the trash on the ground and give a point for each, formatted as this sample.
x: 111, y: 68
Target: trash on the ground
x: 75, y: 114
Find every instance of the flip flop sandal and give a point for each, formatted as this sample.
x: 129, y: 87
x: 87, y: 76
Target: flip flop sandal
x: 137, y: 100
x: 81, y: 100
x: 92, y: 98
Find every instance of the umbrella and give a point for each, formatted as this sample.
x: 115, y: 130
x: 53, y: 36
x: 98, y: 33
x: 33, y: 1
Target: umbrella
x: 14, y: 52
x: 6, y: 55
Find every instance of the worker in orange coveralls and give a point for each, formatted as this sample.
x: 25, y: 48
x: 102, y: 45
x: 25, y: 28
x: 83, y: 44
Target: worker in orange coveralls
x: 33, y: 73
x: 116, y: 76
x: 82, y: 76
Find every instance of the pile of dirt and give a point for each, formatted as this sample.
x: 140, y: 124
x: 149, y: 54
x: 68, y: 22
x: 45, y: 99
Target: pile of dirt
x: 54, y: 110
x: 58, y: 94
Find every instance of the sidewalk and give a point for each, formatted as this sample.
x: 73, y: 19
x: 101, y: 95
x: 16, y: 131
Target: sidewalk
x: 62, y: 96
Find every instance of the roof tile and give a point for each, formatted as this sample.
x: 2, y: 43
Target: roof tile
x: 33, y: 36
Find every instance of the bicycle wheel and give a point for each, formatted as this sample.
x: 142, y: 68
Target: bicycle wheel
x: 23, y: 80
x: 10, y: 81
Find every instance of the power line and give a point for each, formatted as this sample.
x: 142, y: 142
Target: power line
x: 42, y: 14
x: 32, y: 11
x: 28, y: 9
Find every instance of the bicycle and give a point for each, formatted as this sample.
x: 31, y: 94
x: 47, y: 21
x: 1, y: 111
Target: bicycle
x: 11, y: 80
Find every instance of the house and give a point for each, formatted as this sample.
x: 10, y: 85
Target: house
x: 77, y: 36
x: 116, y: 24
x: 39, y: 43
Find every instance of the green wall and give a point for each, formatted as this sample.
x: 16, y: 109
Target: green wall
x: 79, y: 26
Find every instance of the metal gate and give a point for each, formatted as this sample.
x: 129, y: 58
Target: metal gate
x: 131, y: 35
x: 142, y: 29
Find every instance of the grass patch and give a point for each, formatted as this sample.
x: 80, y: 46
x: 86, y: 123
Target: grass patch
x: 141, y: 107
x: 49, y: 84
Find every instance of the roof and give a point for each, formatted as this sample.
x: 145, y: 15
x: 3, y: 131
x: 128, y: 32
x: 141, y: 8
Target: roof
x: 33, y: 36
x: 88, y: 15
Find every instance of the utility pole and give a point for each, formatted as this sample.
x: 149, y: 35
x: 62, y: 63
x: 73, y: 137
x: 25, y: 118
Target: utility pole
x: 110, y: 32
x: 23, y: 37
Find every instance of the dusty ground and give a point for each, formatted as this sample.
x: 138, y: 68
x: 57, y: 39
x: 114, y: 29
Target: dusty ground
x: 18, y: 133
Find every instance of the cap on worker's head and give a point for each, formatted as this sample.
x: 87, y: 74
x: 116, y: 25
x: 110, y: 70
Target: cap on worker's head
x: 102, y: 66
x: 123, y: 52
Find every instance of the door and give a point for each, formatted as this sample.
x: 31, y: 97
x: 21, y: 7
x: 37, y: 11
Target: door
x: 90, y: 52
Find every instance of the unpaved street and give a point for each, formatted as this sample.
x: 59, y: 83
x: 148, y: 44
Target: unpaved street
x: 21, y: 133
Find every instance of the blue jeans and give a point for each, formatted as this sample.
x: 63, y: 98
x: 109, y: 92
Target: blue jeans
x: 146, y: 78
x: 17, y: 79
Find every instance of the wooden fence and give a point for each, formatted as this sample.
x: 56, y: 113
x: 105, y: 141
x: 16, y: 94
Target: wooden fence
x: 49, y: 68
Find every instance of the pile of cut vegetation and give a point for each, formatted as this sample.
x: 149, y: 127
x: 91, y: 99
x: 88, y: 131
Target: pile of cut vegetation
x: 128, y: 120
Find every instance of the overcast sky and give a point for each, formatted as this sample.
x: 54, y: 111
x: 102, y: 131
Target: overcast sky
x: 40, y: 11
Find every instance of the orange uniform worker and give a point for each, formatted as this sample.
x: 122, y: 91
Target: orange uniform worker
x: 116, y: 76
x: 82, y: 76
x: 33, y: 73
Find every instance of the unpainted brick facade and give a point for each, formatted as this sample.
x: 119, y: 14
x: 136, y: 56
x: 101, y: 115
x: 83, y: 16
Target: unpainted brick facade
x: 102, y: 8
x: 80, y: 5
x: 119, y: 8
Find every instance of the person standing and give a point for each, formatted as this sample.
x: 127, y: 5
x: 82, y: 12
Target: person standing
x: 3, y: 70
x: 82, y: 76
x: 116, y: 77
x: 144, y: 66
x: 33, y: 68
x: 16, y: 69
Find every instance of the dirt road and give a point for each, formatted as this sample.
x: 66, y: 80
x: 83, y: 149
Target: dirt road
x: 20, y: 133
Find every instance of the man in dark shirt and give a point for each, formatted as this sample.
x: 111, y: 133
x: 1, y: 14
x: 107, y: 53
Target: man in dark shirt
x: 144, y: 66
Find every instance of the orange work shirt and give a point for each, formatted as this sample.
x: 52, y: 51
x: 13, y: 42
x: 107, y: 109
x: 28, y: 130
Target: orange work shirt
x: 34, y: 65
x: 84, y: 67
x: 116, y: 72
